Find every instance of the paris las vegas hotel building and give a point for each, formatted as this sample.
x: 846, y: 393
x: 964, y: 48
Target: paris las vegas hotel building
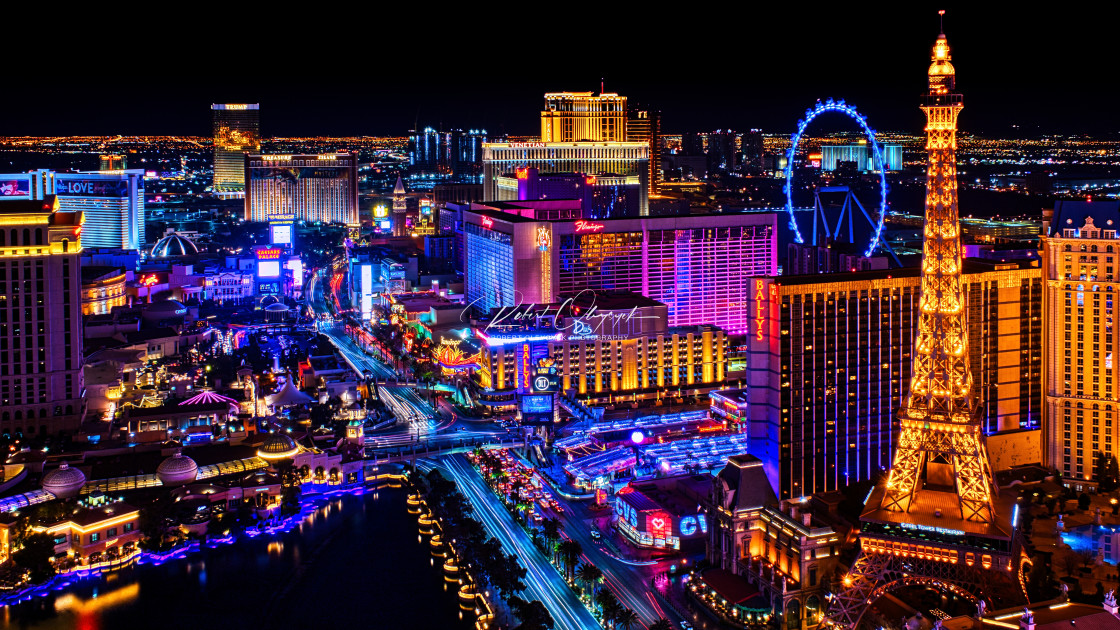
x: 1080, y: 251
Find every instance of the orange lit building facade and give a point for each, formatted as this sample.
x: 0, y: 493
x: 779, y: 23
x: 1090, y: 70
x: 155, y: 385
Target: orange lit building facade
x: 95, y: 530
x: 102, y: 290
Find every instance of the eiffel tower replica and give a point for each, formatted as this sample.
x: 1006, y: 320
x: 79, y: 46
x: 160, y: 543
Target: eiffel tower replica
x: 938, y: 519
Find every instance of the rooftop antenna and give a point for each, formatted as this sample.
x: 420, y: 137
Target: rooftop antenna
x: 942, y: 14
x: 602, y: 84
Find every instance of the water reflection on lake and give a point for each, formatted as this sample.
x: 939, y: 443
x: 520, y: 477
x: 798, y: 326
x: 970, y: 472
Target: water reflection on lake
x: 356, y: 562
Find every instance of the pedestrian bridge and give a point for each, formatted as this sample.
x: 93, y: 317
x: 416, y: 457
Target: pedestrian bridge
x: 450, y: 447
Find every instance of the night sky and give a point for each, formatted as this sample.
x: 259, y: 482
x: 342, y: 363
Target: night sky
x: 146, y: 72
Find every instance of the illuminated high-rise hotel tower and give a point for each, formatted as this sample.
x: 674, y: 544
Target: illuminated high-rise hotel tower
x: 237, y: 131
x: 583, y: 117
x: 937, y: 518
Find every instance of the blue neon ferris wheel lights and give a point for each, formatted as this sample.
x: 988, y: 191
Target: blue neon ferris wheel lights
x: 850, y: 111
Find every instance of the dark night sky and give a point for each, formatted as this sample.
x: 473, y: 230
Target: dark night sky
x: 721, y: 68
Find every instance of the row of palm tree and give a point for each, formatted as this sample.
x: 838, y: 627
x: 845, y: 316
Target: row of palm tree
x: 615, y: 615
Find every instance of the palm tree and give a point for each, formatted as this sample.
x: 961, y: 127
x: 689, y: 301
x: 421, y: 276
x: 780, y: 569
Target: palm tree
x: 589, y: 574
x: 570, y: 551
x: 608, y: 603
x: 626, y: 618
x: 551, y: 532
x: 661, y: 624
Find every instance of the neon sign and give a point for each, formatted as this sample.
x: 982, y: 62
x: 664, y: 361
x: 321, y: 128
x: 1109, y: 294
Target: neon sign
x: 928, y: 528
x: 660, y: 525
x: 588, y: 226
x: 272, y: 253
x: 527, y: 145
x: 544, y: 238
x: 494, y: 341
x: 759, y: 312
x: 149, y: 280
x: 689, y: 524
x: 487, y: 222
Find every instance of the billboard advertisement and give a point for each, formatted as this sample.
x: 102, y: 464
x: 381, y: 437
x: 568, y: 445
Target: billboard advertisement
x: 91, y: 187
x: 536, y: 404
x: 281, y: 234
x: 15, y: 188
x: 268, y: 269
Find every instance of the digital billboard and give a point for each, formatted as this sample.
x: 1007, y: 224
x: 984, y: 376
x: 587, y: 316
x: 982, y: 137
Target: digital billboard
x: 536, y: 404
x: 296, y: 265
x: 15, y: 188
x: 268, y: 269
x: 281, y: 234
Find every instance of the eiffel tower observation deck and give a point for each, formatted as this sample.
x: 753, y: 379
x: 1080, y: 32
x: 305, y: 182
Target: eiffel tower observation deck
x: 937, y: 520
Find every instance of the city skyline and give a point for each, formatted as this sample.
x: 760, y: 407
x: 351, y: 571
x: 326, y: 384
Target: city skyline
x: 659, y: 367
x: 761, y: 74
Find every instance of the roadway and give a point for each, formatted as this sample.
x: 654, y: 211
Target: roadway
x: 628, y: 580
x: 542, y: 581
x: 417, y: 421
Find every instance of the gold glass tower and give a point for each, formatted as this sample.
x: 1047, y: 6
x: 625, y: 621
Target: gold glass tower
x: 237, y: 131
x: 583, y: 117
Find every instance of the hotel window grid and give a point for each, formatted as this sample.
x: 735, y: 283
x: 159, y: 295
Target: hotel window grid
x: 845, y: 362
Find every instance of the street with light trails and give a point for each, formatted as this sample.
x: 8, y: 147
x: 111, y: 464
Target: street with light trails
x: 542, y: 581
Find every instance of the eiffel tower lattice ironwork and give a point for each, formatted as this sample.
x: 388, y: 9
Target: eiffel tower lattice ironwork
x: 935, y: 519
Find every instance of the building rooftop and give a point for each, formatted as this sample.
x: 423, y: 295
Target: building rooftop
x: 745, y: 477
x: 738, y: 396
x: 84, y: 517
x: 95, y: 273
x: 938, y: 509
x: 486, y: 208
x: 734, y: 588
x: 971, y: 266
x: 1069, y: 214
x: 29, y: 206
x: 175, y: 407
x: 639, y: 501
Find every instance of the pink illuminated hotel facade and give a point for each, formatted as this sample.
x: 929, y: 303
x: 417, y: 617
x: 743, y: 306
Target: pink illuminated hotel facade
x: 699, y: 266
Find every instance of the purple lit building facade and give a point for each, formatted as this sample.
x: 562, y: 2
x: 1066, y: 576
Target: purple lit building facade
x: 534, y: 252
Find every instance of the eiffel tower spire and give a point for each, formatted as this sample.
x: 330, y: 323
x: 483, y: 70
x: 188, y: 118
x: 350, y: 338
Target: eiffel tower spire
x: 910, y: 532
x: 940, y: 440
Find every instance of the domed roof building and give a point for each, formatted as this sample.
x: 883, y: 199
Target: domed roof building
x: 160, y: 313
x: 177, y: 470
x: 276, y: 312
x: 64, y: 482
x: 174, y: 245
x: 277, y: 446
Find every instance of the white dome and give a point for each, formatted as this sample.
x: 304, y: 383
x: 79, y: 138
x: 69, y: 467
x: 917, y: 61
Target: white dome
x: 64, y: 482
x: 174, y: 245
x: 177, y: 470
